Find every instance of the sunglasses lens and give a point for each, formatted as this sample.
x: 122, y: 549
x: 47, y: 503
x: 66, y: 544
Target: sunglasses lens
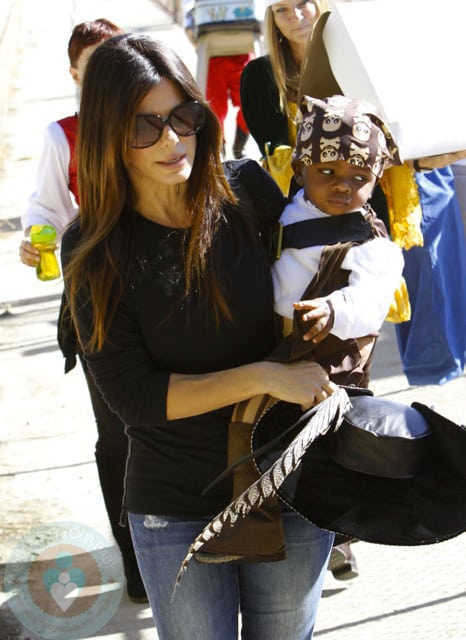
x: 146, y: 131
x: 186, y: 119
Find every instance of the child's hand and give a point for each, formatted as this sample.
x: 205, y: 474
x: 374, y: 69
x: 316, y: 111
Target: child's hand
x: 28, y: 254
x: 320, y: 313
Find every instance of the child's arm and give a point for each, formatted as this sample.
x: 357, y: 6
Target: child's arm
x: 359, y: 308
x: 51, y: 202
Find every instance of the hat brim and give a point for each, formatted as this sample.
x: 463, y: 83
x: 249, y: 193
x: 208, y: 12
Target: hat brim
x: 427, y: 508
x: 317, y: 78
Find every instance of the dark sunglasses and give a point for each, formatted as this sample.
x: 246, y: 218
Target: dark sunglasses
x: 185, y: 119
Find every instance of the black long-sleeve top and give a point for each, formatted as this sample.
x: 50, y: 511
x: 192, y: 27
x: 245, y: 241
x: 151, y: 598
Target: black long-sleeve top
x: 260, y: 102
x: 171, y: 462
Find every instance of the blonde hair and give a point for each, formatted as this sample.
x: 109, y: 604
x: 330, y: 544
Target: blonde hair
x: 284, y: 67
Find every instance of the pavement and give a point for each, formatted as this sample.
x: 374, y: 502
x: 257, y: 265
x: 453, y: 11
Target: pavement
x: 48, y: 475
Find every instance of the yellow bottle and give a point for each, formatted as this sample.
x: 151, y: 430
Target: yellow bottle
x: 44, y: 238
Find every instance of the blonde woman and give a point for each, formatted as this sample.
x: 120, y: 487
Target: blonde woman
x: 269, y: 84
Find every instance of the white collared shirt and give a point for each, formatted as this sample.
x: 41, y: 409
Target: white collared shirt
x: 52, y: 202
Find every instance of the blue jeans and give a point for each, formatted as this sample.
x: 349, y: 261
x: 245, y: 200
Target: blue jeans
x: 277, y: 600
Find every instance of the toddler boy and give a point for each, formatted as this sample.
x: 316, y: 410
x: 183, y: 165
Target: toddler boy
x: 334, y: 276
x: 328, y: 228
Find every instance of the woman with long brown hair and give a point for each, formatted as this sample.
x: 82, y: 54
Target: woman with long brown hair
x: 169, y: 285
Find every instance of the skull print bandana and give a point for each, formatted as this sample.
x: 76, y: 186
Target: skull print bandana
x: 341, y: 128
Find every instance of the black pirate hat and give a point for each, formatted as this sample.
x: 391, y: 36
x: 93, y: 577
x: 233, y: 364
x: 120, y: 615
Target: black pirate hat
x: 391, y: 474
x: 317, y: 78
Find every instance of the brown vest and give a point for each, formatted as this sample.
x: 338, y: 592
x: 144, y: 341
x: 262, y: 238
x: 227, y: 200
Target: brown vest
x: 346, y: 361
x: 259, y: 537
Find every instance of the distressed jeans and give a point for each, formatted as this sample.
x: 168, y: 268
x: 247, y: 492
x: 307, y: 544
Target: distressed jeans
x: 276, y: 600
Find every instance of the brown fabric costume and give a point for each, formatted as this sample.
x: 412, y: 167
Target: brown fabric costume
x: 259, y: 536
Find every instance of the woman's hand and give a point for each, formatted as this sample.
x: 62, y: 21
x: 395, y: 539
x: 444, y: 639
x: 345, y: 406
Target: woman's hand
x: 304, y: 383
x: 320, y: 313
x: 28, y: 254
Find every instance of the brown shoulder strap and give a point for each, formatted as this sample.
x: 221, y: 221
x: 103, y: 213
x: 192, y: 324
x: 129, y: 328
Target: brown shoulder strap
x: 328, y: 274
x: 323, y: 282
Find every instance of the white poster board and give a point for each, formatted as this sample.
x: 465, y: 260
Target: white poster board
x: 408, y: 57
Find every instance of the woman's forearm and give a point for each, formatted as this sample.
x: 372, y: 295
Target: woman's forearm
x: 429, y: 163
x: 303, y: 383
x: 190, y: 395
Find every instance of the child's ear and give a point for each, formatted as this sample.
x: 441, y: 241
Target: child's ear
x: 75, y: 75
x: 298, y: 172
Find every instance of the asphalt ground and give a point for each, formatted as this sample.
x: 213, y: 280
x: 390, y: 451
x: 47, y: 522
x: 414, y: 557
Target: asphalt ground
x: 47, y: 472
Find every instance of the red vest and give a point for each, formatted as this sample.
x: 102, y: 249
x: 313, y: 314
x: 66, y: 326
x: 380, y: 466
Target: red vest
x: 70, y: 128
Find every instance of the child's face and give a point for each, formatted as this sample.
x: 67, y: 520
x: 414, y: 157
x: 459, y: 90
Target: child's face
x: 335, y: 187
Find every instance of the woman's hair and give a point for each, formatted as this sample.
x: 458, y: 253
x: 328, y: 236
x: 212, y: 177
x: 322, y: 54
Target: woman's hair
x: 284, y: 67
x: 120, y: 73
x: 86, y: 34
